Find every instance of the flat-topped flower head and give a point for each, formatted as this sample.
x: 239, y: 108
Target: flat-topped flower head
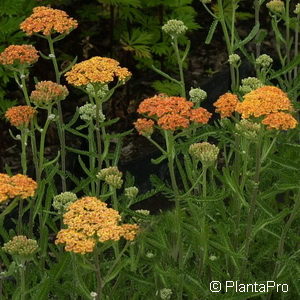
x: 280, y: 121
x: 20, y: 116
x: 89, y: 221
x: 161, y: 104
x: 276, y: 6
x: 174, y: 28
x: 226, y: 104
x: 200, y: 115
x: 21, y: 246
x: 16, y: 55
x: 263, y: 101
x: 47, y: 93
x: 173, y: 113
x: 144, y: 126
x: 99, y: 70
x: 47, y: 21
x: 16, y: 186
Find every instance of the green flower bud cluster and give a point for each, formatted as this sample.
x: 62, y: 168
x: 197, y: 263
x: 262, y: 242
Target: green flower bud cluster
x: 62, y: 201
x: 131, y: 192
x: 248, y: 129
x: 205, y: 152
x: 97, y: 90
x: 264, y: 61
x: 275, y: 6
x: 297, y: 9
x: 250, y: 84
x: 87, y: 113
x: 234, y: 59
x: 112, y: 176
x: 197, y: 95
x: 21, y: 246
x: 165, y: 294
x: 174, y: 28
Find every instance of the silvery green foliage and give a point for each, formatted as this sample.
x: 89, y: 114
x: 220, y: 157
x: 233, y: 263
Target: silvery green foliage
x: 87, y: 113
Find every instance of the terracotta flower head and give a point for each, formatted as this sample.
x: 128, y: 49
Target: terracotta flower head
x: 47, y: 93
x: 16, y: 55
x: 47, y: 21
x: 171, y: 113
x: 20, y: 116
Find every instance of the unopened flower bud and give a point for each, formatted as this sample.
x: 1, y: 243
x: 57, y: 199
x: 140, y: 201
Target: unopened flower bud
x: 197, y: 95
x: 264, y: 61
x: 250, y: 84
x: 114, y: 180
x: 248, y: 129
x: 297, y: 9
x: 174, y: 28
x: 165, y: 294
x: 234, y: 59
x: 62, y: 201
x: 87, y: 113
x: 131, y: 192
x: 276, y: 6
x: 205, y: 152
x: 21, y: 246
x: 108, y: 171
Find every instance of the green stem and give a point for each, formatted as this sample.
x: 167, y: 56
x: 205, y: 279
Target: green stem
x: 22, y: 281
x: 42, y: 144
x: 256, y: 16
x: 24, y: 136
x: 92, y: 160
x: 20, y: 215
x: 53, y: 58
x: 98, y: 140
x: 24, y: 88
x: 99, y: 285
x: 255, y: 191
x: 180, y: 66
x: 227, y: 40
x: 296, y: 44
x: 287, y: 33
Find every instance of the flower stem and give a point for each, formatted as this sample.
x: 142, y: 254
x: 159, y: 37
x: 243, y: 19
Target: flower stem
x: 99, y: 285
x: 22, y: 281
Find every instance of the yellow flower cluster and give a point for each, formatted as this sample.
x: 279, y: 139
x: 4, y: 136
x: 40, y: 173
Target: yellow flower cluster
x: 20, y: 116
x: 19, y: 54
x: 96, y: 70
x: 48, y: 21
x: 16, y: 186
x: 89, y: 221
x: 263, y: 101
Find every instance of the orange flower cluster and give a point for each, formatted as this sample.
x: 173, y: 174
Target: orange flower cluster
x: 19, y: 54
x: 48, y: 21
x: 172, y: 112
x: 20, y: 116
x: 263, y: 101
x: 16, y: 186
x: 144, y: 126
x: 280, y: 121
x: 226, y: 104
x: 89, y: 220
x: 96, y: 70
x: 48, y: 92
